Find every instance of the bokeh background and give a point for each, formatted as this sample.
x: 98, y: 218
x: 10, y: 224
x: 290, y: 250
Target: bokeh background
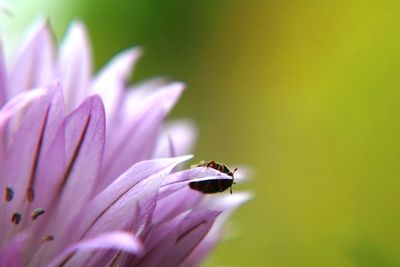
x: 307, y: 93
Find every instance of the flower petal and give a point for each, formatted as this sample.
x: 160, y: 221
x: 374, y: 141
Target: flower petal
x: 137, y: 146
x: 140, y: 90
x: 42, y: 181
x: 227, y: 204
x: 111, y: 82
x: 22, y: 160
x: 174, y: 247
x: 166, y: 209
x: 46, y: 162
x: 136, y: 188
x: 74, y: 65
x: 15, y: 106
x: 136, y: 138
x: 34, y: 63
x: 162, y: 98
x: 12, y: 254
x: 82, y: 140
x: 84, y: 132
x: 177, y: 139
x: 76, y: 254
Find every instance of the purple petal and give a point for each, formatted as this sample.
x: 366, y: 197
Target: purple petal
x: 177, y: 139
x: 84, y: 133
x: 22, y: 160
x: 163, y: 98
x: 227, y: 204
x: 15, y: 106
x: 80, y: 141
x: 158, y: 233
x: 140, y: 90
x: 3, y: 79
x: 111, y: 81
x: 77, y: 254
x: 74, y: 65
x: 135, y: 147
x: 18, y: 103
x: 46, y: 161
x: 142, y: 123
x: 174, y: 247
x: 34, y: 63
x: 166, y: 210
x: 135, y: 190
x: 12, y: 254
x: 41, y: 185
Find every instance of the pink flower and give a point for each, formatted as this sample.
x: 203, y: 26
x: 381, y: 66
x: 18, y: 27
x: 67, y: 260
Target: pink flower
x: 88, y: 171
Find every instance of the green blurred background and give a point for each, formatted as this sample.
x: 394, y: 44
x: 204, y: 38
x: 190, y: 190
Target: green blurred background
x: 307, y: 93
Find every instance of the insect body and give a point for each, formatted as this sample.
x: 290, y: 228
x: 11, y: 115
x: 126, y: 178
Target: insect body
x: 214, y: 185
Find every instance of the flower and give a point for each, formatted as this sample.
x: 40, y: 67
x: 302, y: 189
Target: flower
x: 89, y: 174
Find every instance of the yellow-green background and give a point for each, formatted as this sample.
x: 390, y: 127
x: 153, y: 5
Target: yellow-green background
x: 307, y: 93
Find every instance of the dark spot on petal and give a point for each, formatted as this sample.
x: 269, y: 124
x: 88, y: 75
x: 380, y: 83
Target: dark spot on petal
x: 9, y: 193
x: 30, y: 194
x: 38, y: 151
x: 16, y: 218
x: 47, y: 238
x: 37, y: 212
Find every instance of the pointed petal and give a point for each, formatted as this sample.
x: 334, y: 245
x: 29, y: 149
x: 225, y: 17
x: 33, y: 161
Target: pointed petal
x: 82, y: 137
x: 163, y: 98
x: 142, y: 89
x: 18, y: 103
x: 171, y: 250
x: 132, y: 194
x: 136, y: 138
x: 42, y: 181
x: 136, y: 189
x: 74, y: 65
x: 45, y: 178
x: 166, y: 210
x: 12, y: 108
x: 177, y: 139
x: 227, y: 204
x: 22, y: 160
x: 138, y: 145
x: 84, y: 132
x: 111, y: 81
x: 34, y: 63
x: 76, y: 255
x: 158, y: 233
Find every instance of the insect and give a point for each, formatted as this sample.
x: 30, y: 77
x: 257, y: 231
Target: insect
x: 214, y: 185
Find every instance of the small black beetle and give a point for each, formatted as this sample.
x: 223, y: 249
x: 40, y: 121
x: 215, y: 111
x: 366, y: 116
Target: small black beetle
x: 214, y: 185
